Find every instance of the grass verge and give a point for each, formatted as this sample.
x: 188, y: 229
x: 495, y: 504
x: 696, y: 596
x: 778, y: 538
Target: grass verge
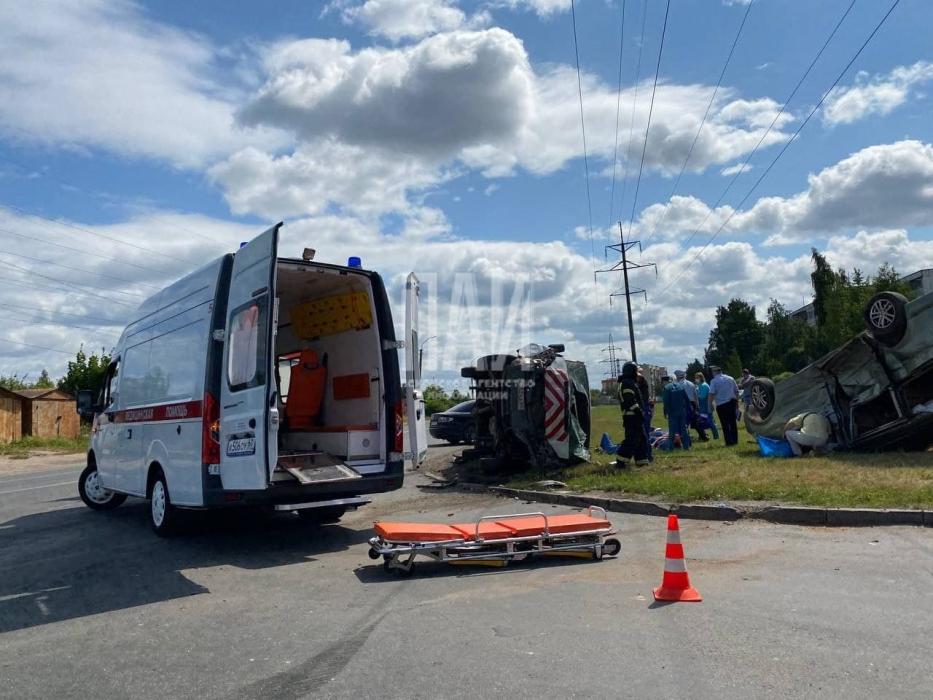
x: 22, y: 448
x: 713, y: 472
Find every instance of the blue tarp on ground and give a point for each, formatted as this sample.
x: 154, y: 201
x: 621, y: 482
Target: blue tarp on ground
x: 774, y: 448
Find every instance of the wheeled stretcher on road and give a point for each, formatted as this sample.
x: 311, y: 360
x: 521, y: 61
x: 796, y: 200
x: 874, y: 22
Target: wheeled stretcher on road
x: 494, y: 540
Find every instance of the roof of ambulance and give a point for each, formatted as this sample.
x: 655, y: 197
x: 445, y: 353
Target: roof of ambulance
x: 204, y: 280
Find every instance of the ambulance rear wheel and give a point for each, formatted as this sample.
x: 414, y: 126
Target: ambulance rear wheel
x: 93, y: 494
x: 163, y: 515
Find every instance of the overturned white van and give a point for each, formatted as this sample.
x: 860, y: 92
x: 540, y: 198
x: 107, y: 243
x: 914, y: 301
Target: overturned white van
x: 257, y: 380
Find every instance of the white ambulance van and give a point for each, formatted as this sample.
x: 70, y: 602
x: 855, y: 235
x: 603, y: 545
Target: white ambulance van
x: 257, y: 381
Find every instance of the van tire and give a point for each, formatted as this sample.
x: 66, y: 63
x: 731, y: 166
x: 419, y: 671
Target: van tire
x: 761, y: 400
x: 95, y: 496
x: 163, y: 516
x: 886, y: 317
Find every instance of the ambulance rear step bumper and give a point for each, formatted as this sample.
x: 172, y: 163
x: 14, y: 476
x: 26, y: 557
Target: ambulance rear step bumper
x: 355, y: 502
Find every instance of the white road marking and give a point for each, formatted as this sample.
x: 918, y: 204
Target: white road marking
x: 35, y: 488
x: 14, y: 596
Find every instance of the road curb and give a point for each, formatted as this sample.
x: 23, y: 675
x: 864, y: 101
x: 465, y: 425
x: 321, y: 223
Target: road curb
x: 787, y: 515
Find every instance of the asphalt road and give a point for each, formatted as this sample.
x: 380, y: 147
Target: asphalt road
x: 94, y: 605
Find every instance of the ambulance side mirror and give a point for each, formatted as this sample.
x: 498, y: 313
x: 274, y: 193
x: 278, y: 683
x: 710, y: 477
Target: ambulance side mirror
x: 85, y: 403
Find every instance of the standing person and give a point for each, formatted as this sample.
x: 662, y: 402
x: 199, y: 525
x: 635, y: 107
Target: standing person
x: 724, y: 392
x: 635, y: 444
x: 745, y: 385
x: 693, y: 406
x: 648, y: 409
x: 706, y: 408
x: 675, y: 402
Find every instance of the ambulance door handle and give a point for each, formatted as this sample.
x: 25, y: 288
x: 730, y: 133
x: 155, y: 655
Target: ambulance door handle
x: 178, y: 430
x: 129, y: 433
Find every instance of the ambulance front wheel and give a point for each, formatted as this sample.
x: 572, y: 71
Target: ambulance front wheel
x: 93, y: 494
x: 612, y: 547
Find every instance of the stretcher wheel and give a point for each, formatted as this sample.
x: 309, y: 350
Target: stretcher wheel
x: 612, y: 547
x: 373, y: 554
x: 402, y: 572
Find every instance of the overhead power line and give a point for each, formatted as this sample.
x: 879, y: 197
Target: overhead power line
x: 73, y: 285
x: 789, y: 142
x: 615, y: 152
x: 66, y: 224
x: 92, y: 319
x: 774, y: 121
x: 79, y: 250
x: 22, y: 320
x: 654, y: 89
x: 631, y: 126
x: 696, y: 136
x: 586, y: 164
x: 37, y: 347
x: 85, y: 271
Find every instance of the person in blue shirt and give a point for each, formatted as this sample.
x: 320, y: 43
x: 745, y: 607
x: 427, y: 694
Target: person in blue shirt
x: 675, y: 402
x: 724, y: 393
x: 706, y: 408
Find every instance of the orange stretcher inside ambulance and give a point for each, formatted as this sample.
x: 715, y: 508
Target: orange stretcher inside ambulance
x: 257, y: 380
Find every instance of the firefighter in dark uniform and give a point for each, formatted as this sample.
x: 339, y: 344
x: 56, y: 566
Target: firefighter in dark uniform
x: 632, y: 403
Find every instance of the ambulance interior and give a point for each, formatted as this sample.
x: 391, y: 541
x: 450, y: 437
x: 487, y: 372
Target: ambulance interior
x: 328, y: 366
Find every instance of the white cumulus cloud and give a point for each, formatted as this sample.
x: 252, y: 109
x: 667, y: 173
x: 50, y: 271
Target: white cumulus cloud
x: 880, y: 94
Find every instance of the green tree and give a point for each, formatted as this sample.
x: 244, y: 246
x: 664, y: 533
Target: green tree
x: 13, y: 382
x: 44, y: 381
x: 694, y: 367
x: 84, y: 372
x: 737, y: 332
x: 784, y: 347
x: 437, y: 400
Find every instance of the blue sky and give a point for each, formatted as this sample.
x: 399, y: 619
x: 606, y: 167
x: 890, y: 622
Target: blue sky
x: 444, y: 137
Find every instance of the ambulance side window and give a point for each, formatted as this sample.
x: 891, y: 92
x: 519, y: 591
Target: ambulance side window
x: 247, y: 350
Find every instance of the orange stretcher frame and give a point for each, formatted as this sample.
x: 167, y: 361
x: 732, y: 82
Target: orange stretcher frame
x: 494, y: 539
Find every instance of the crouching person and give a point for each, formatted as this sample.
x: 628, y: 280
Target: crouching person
x: 632, y: 403
x: 808, y: 430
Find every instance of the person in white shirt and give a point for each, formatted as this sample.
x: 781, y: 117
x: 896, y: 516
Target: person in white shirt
x: 724, y: 392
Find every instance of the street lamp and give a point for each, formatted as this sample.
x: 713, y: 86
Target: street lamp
x: 421, y: 349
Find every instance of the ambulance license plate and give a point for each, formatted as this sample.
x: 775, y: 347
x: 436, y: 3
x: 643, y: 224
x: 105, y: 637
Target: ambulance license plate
x: 240, y: 447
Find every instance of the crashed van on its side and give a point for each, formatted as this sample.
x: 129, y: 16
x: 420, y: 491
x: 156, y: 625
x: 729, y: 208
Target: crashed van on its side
x: 876, y: 389
x: 532, y: 408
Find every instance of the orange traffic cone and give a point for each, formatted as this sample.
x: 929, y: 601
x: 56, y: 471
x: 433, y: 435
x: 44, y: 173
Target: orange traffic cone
x: 675, y: 585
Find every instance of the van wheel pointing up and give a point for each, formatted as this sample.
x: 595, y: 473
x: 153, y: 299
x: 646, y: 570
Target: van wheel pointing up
x: 162, y: 514
x: 93, y: 494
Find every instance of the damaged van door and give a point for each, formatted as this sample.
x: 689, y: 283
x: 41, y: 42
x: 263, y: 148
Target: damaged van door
x: 414, y: 398
x: 249, y: 414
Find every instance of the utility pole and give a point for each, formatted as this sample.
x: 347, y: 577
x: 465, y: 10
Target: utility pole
x: 613, y: 360
x: 625, y: 265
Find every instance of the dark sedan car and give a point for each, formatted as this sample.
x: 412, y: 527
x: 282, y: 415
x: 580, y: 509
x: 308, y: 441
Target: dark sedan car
x: 456, y: 424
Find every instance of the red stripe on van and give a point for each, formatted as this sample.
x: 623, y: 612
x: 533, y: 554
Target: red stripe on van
x: 171, y: 411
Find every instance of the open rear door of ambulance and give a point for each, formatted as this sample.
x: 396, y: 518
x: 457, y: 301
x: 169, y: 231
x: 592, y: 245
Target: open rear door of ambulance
x: 249, y: 420
x: 414, y: 399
